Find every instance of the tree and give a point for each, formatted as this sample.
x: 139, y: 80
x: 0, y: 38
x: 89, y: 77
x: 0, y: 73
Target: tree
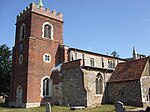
x: 5, y: 69
x: 115, y: 54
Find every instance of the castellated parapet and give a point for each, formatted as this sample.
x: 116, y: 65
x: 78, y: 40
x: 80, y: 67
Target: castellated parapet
x: 40, y: 10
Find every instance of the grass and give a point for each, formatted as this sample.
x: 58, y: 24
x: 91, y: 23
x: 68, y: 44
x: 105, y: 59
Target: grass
x: 103, y: 108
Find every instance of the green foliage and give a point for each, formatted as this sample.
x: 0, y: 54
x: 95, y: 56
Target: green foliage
x: 5, y: 69
x: 115, y: 54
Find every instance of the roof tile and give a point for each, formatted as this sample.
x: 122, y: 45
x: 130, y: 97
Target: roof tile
x: 129, y: 70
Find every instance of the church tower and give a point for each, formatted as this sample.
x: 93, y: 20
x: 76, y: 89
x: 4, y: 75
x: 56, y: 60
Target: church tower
x: 39, y: 32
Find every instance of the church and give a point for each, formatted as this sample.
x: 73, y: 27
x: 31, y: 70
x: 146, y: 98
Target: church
x: 46, y: 70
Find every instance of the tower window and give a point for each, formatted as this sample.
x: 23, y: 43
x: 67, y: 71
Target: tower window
x: 46, y: 87
x: 47, y: 31
x: 46, y: 90
x: 47, y: 58
x: 20, y: 59
x: 99, y: 84
x: 22, y: 32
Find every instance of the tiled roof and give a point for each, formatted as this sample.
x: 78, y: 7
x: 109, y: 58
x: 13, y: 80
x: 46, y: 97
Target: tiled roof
x: 129, y: 70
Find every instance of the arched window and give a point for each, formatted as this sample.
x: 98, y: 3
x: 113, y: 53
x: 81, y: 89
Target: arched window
x: 99, y: 84
x: 46, y: 87
x: 19, y: 96
x: 47, y: 30
x: 22, y: 31
x: 20, y: 59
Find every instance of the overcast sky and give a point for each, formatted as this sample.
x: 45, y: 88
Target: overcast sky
x: 95, y: 25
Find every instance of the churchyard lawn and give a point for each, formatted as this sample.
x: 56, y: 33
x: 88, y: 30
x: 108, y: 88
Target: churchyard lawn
x: 103, y: 108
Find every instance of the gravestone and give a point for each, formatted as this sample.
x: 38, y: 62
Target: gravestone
x: 119, y: 107
x: 48, y: 107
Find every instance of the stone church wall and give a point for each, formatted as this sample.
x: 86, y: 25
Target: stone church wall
x: 58, y: 96
x: 145, y: 89
x: 145, y: 84
x: 128, y: 92
x: 74, y: 91
x: 90, y: 86
x: 99, y: 60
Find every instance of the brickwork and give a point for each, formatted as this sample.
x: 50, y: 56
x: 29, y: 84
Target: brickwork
x: 33, y: 68
x: 69, y: 69
x: 44, y: 12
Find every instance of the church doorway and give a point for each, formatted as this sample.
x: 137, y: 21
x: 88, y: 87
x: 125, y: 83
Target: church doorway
x: 19, y: 96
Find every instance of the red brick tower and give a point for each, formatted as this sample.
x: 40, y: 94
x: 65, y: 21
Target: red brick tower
x: 38, y: 36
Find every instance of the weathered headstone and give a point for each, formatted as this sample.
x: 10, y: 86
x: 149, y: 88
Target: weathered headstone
x: 48, y: 107
x: 77, y: 107
x: 119, y: 106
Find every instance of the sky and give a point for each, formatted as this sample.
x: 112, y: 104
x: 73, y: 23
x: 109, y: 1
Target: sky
x: 100, y: 26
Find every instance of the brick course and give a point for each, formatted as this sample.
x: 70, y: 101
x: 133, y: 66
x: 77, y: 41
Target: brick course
x: 33, y: 69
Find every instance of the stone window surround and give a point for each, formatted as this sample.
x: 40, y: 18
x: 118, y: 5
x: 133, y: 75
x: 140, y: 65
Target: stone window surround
x: 98, y: 77
x: 111, y: 64
x: 47, y: 61
x: 19, y: 92
x: 50, y: 90
x: 23, y: 26
x: 51, y: 36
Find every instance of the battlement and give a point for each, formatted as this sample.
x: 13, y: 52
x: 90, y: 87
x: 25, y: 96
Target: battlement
x: 40, y: 10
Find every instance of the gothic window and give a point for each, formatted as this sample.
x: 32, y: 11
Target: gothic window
x: 47, y: 58
x: 22, y: 31
x: 46, y: 87
x: 20, y: 59
x: 47, y: 31
x: 111, y: 64
x: 92, y: 62
x: 99, y: 84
